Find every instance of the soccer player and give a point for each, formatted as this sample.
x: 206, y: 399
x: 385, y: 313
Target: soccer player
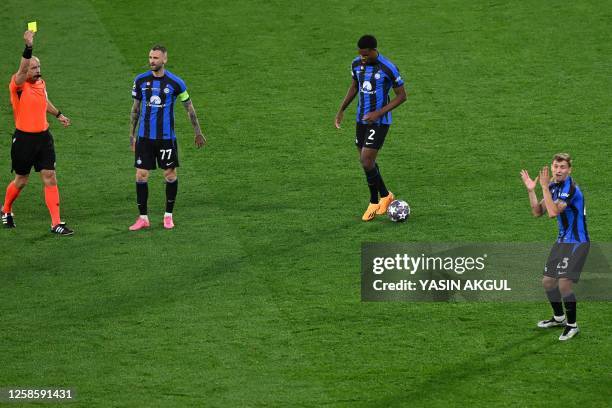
x: 564, y: 200
x: 152, y: 137
x: 32, y: 141
x: 373, y: 77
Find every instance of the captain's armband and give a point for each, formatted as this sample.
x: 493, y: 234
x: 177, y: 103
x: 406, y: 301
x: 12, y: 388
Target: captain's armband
x: 184, y: 96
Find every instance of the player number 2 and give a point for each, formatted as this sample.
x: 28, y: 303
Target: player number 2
x: 372, y: 133
x: 164, y: 152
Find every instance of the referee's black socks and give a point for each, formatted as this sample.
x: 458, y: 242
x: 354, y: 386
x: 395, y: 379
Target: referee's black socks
x: 171, y: 190
x: 142, y: 195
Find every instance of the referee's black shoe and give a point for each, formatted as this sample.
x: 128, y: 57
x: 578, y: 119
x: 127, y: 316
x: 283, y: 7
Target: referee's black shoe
x: 7, y: 220
x: 61, y: 229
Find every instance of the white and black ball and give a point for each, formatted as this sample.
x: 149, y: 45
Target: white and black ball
x: 398, y: 211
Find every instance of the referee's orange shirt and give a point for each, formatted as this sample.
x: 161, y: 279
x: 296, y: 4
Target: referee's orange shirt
x: 29, y: 102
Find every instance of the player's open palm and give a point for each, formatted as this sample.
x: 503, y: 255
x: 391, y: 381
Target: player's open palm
x: 544, y: 177
x: 529, y: 183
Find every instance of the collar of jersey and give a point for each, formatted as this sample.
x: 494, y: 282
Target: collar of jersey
x: 161, y: 77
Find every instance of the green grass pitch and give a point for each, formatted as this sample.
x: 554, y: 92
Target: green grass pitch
x: 253, y: 300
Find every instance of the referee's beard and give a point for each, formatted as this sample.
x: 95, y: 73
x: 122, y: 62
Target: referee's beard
x: 34, y: 78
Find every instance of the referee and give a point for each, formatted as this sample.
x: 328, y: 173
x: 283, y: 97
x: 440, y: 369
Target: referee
x: 32, y: 141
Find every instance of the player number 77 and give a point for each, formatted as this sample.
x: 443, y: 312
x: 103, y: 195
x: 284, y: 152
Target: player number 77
x: 164, y: 152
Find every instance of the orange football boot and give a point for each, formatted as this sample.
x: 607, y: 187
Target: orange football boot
x: 370, y: 213
x: 384, y: 204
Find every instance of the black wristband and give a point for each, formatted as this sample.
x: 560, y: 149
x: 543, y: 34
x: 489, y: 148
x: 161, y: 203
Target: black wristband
x: 27, y: 52
x: 58, y: 114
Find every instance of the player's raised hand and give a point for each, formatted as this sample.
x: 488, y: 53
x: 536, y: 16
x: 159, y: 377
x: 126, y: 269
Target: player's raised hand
x: 529, y: 183
x: 28, y: 37
x: 338, y: 119
x: 544, y: 177
x: 200, y: 141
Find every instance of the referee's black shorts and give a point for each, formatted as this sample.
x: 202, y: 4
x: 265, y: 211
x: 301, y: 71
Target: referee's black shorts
x: 32, y: 149
x: 566, y: 260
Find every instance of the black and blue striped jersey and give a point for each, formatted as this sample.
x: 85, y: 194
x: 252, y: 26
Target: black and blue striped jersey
x: 572, y: 221
x: 374, y: 81
x: 157, y: 96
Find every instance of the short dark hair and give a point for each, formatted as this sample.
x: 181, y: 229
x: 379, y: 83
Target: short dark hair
x: 159, y: 47
x: 367, y: 41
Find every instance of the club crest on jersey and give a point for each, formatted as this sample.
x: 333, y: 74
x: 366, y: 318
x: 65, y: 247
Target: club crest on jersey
x: 366, y: 88
x: 377, y: 76
x: 155, y: 100
x: 166, y: 90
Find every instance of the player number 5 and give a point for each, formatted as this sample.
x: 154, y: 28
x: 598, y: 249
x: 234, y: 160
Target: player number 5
x: 563, y: 264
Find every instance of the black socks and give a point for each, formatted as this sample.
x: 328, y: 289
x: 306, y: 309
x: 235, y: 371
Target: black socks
x: 554, y: 296
x: 570, y: 308
x: 142, y: 195
x: 372, y: 176
x: 382, y: 189
x: 171, y: 190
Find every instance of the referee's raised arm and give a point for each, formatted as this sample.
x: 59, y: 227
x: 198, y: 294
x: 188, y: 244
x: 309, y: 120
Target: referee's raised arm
x: 22, y: 73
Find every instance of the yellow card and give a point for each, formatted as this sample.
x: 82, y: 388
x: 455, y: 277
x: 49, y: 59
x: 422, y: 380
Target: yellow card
x: 32, y: 26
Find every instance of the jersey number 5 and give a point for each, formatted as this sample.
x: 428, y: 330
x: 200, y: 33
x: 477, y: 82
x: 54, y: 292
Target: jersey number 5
x: 563, y: 264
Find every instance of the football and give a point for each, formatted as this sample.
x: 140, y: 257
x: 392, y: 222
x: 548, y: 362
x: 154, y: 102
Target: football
x: 398, y: 211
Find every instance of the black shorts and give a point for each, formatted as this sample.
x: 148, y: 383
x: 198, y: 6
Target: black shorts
x: 32, y: 149
x: 371, y: 136
x: 150, y: 151
x: 566, y: 260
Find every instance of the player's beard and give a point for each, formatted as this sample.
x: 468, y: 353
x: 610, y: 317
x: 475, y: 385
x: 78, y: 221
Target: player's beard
x: 156, y: 67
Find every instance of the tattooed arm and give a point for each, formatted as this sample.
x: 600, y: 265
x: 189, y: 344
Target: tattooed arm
x: 200, y: 140
x: 134, y: 116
